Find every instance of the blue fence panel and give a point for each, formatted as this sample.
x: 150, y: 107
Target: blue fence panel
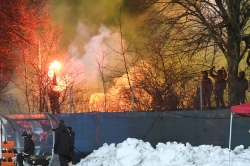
x: 209, y: 127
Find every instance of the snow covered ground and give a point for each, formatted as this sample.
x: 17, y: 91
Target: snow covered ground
x: 133, y: 152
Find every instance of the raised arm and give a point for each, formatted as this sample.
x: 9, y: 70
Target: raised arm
x: 211, y: 72
x: 248, y: 58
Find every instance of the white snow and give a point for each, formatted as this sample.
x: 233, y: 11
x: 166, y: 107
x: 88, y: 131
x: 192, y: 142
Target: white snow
x: 134, y: 152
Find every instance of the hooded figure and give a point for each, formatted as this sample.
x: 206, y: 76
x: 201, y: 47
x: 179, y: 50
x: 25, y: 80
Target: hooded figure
x: 29, y: 148
x: 207, y: 88
x: 242, y: 86
x: 62, y: 143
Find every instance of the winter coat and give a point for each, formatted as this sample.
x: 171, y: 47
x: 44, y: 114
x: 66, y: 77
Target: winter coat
x: 72, y: 144
x: 207, y: 86
x: 62, y: 140
x: 29, y: 145
x: 219, y: 82
x: 242, y: 85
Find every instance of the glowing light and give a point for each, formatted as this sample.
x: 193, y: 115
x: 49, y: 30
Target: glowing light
x: 55, y: 65
x: 61, y: 82
x: 53, y: 68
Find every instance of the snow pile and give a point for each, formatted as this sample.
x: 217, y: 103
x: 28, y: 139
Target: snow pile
x: 133, y: 152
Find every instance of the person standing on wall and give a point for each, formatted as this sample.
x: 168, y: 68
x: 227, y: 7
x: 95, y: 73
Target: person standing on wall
x: 29, y: 148
x: 72, y: 145
x: 157, y: 99
x: 242, y: 86
x: 62, y: 143
x: 171, y: 99
x: 207, y: 89
x: 219, y: 86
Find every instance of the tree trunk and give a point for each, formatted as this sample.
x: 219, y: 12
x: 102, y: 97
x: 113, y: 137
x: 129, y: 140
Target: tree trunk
x: 232, y: 79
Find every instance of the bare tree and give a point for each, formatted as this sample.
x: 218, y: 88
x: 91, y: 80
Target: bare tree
x: 105, y: 73
x: 19, y: 24
x: 168, y: 76
x: 23, y: 25
x: 200, y: 26
x: 125, y: 55
x: 71, y: 88
x: 80, y: 98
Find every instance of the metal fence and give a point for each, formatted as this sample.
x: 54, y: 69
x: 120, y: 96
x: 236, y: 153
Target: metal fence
x: 136, y: 98
x: 190, y: 97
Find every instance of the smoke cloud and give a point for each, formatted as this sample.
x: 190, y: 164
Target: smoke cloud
x: 93, y: 14
x: 87, y: 24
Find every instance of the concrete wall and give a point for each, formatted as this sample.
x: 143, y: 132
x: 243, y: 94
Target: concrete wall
x: 210, y: 127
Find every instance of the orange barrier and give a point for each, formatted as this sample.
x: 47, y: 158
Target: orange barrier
x: 8, y: 144
x: 7, y: 153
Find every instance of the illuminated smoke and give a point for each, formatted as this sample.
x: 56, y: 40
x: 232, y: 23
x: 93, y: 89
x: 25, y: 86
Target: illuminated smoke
x: 98, y: 46
x: 86, y: 23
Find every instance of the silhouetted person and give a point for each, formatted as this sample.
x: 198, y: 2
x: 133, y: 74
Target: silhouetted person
x: 54, y: 101
x: 242, y: 86
x: 29, y: 148
x: 219, y: 86
x: 196, y: 98
x: 157, y: 100
x: 207, y: 89
x: 54, y: 96
x: 72, y: 145
x: 62, y: 143
x: 171, y: 100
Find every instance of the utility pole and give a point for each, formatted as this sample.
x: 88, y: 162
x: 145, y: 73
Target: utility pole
x: 71, y: 100
x: 11, y: 104
x: 40, y: 79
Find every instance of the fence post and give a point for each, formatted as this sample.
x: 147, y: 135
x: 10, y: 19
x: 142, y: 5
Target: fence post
x: 133, y: 98
x: 10, y: 104
x: 200, y: 96
x: 70, y: 100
